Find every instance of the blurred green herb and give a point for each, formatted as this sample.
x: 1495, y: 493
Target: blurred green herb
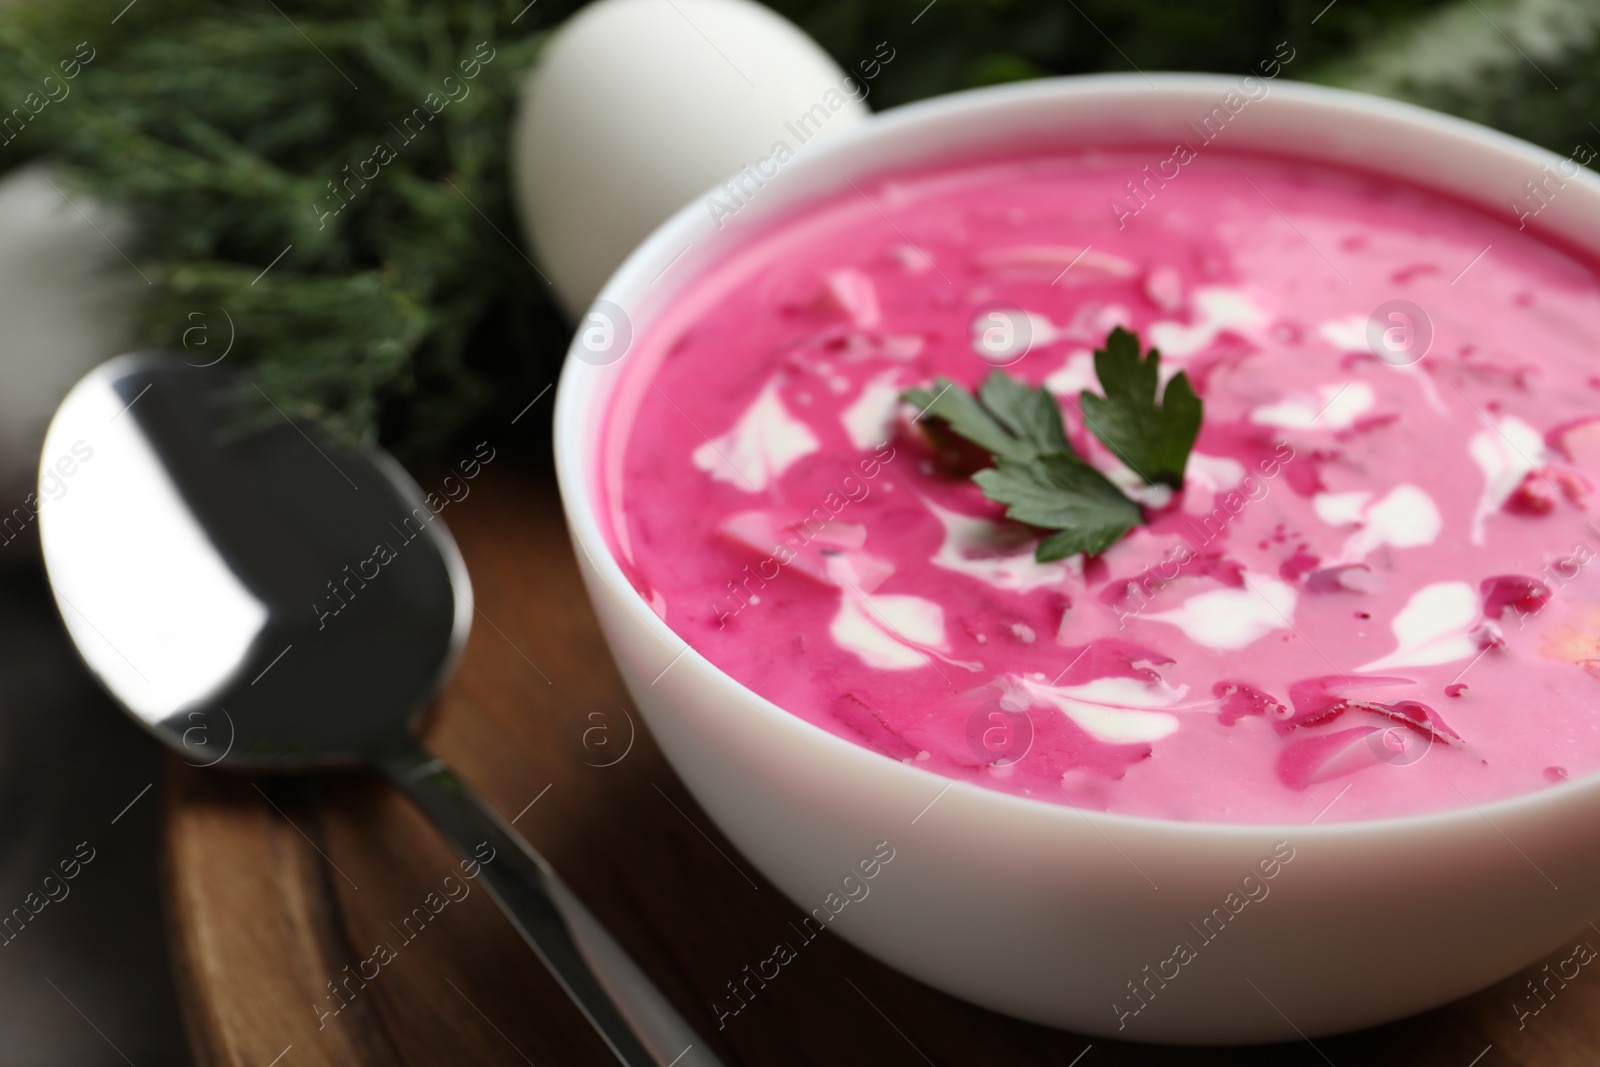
x: 960, y: 44
x: 415, y: 311
x: 1528, y: 67
x: 323, y: 141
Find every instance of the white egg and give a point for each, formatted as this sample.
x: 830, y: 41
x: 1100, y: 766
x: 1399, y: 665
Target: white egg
x: 66, y: 305
x: 638, y: 106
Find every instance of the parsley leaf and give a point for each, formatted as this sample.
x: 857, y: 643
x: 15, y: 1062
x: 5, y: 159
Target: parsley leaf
x: 968, y: 418
x: 1059, y: 491
x: 1037, y: 473
x: 1032, y: 415
x: 1006, y: 418
x: 1153, y: 441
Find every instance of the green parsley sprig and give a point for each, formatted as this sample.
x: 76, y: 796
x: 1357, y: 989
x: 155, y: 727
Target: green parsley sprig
x: 1037, y: 473
x: 1154, y: 441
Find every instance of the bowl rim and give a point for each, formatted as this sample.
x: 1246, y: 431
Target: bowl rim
x: 576, y: 444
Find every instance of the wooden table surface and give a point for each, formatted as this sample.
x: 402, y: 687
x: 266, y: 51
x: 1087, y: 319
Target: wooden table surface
x: 275, y: 886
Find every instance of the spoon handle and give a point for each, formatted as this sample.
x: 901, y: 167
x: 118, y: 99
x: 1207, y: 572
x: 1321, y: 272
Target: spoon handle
x: 620, y: 1002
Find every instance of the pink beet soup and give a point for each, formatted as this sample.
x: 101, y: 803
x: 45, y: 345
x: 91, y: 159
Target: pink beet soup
x: 1374, y: 595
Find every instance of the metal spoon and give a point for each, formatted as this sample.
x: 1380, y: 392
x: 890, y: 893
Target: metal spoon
x: 269, y: 599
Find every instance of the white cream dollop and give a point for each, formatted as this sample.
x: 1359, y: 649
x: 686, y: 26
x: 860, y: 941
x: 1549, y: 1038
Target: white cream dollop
x: 1056, y: 263
x: 851, y: 293
x: 1349, y: 334
x: 1002, y: 556
x: 1405, y: 517
x: 765, y: 442
x: 890, y: 633
x: 1505, y: 454
x: 1342, y: 509
x: 1217, y: 309
x: 1117, y: 711
x: 869, y: 420
x: 1435, y: 626
x: 1337, y: 407
x: 1074, y: 376
x: 1216, y: 473
x: 1234, y: 618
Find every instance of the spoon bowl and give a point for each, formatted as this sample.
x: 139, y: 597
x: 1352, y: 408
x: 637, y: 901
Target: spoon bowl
x: 265, y: 597
x: 256, y: 593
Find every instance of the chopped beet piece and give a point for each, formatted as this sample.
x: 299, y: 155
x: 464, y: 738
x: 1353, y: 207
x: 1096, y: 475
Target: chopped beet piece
x: 1316, y: 700
x: 1365, y: 425
x: 1455, y: 689
x: 1158, y: 576
x: 1574, y: 486
x: 1525, y: 595
x: 1316, y: 759
x: 1112, y: 657
x: 1298, y: 565
x: 1330, y: 755
x: 1488, y: 636
x: 1417, y: 715
x: 1534, y: 495
x: 1219, y: 567
x: 1349, y: 578
x: 1305, y: 476
x: 1240, y: 699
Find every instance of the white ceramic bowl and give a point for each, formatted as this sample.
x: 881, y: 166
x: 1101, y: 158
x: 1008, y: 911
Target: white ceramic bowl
x: 1047, y: 912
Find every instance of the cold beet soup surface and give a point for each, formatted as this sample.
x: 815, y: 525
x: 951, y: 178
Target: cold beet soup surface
x: 1373, y: 583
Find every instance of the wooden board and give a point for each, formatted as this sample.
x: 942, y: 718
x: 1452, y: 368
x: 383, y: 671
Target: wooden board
x: 274, y: 887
